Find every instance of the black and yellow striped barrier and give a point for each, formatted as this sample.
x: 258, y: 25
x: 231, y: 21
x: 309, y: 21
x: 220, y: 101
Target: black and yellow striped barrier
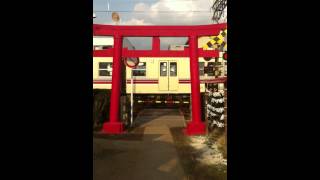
x: 217, y: 42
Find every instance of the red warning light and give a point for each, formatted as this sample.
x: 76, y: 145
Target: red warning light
x: 225, y: 56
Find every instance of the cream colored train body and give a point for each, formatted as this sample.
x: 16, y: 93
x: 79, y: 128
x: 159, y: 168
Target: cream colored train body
x: 155, y: 75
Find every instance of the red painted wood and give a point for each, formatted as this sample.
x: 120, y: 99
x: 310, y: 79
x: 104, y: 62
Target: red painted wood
x: 103, y: 53
x: 196, y: 126
x: 115, y: 126
x: 208, y: 53
x: 156, y: 43
x: 164, y: 31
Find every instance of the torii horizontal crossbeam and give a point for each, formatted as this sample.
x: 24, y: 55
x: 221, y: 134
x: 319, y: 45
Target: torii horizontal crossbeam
x: 156, y: 32
x: 164, y: 31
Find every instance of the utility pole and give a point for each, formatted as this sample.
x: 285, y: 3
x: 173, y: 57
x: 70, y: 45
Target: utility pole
x: 218, y: 8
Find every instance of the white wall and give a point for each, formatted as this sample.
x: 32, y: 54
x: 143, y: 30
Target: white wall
x: 108, y: 40
x: 102, y: 40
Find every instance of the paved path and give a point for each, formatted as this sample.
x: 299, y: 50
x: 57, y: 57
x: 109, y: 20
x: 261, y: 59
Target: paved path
x: 148, y: 153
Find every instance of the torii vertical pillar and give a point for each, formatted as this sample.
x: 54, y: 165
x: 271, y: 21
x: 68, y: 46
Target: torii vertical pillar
x: 196, y: 126
x: 115, y: 126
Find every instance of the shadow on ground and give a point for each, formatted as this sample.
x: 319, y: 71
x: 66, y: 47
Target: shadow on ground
x: 136, y: 160
x: 156, y: 149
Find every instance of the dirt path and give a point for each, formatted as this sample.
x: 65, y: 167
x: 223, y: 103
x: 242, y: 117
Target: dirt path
x: 146, y: 153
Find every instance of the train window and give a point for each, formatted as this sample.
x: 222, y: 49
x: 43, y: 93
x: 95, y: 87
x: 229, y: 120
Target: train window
x: 201, y: 68
x: 102, y: 47
x: 97, y: 48
x: 173, y: 69
x: 106, y: 47
x: 163, y: 69
x: 210, y: 69
x: 140, y: 70
x: 105, y: 69
x: 217, y: 71
x: 225, y: 71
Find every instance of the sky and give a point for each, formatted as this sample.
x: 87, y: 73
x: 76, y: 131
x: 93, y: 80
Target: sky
x: 155, y: 12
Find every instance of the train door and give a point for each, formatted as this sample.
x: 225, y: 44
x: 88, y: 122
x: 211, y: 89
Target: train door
x: 173, y: 76
x: 168, y: 76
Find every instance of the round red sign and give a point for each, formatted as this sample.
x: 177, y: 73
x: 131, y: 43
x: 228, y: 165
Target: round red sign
x: 131, y: 62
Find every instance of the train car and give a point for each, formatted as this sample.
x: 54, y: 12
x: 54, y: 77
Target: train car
x: 157, y: 80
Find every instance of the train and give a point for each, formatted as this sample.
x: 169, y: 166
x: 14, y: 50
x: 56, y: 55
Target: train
x: 159, y: 80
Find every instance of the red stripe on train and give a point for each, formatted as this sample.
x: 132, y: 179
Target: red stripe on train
x: 218, y: 80
x: 128, y: 82
x: 102, y: 82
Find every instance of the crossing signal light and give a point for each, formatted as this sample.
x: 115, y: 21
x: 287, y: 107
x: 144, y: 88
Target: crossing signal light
x: 225, y: 55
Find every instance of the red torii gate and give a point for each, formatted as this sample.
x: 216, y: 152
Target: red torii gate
x: 196, y: 126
